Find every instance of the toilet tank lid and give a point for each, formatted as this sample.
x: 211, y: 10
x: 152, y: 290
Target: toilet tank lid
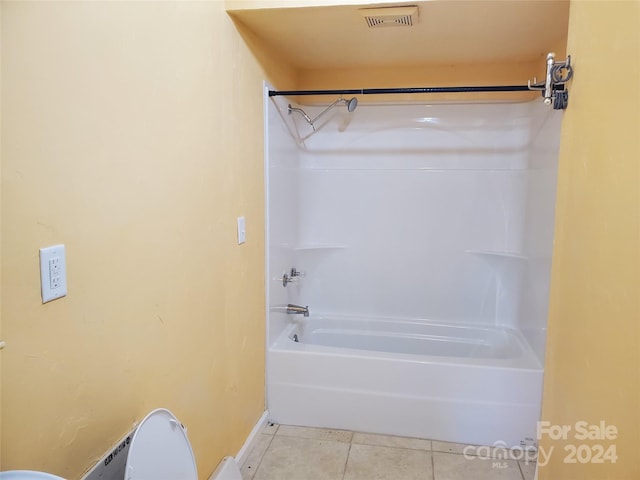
x: 160, y: 450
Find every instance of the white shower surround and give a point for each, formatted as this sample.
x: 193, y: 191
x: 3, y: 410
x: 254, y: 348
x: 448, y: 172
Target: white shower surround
x: 440, y: 213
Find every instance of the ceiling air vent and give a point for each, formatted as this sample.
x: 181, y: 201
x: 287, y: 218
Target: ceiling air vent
x: 405, y: 16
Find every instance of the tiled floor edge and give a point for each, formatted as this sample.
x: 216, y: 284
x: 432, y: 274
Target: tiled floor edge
x: 392, y: 441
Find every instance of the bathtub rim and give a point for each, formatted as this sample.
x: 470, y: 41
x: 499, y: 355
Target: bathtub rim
x: 527, y: 361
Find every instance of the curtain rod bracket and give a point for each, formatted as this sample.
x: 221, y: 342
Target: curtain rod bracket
x: 557, y: 74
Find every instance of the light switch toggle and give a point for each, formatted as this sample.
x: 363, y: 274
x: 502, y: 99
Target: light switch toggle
x: 242, y: 231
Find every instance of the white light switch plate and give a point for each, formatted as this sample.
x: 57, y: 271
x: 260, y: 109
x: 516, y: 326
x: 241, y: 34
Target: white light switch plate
x: 53, y: 273
x: 242, y: 231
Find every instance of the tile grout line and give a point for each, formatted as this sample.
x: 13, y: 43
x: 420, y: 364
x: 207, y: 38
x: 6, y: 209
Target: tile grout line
x: 433, y: 466
x: 311, y: 438
x: 344, y: 471
x: 262, y: 456
x: 395, y: 446
x: 521, y: 472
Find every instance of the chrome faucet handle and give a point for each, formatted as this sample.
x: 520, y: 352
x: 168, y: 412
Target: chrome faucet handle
x: 287, y: 279
x: 296, y: 273
x: 291, y: 277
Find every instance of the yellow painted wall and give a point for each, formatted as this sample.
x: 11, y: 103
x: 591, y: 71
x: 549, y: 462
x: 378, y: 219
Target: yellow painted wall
x: 132, y: 133
x: 592, y: 370
x: 279, y: 73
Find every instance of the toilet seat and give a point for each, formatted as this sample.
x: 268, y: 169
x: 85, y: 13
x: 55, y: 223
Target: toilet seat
x: 160, y: 450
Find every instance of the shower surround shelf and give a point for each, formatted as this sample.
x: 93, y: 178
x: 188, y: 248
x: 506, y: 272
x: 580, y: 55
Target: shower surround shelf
x: 498, y: 254
x: 312, y: 247
x: 509, y: 268
x: 308, y: 247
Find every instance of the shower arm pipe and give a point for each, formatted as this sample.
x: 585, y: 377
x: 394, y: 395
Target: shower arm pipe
x: 308, y: 118
x: 326, y: 110
x: 303, y: 113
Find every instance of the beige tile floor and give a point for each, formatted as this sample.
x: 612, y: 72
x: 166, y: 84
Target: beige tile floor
x: 282, y: 452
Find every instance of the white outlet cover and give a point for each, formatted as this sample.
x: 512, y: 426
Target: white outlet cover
x: 53, y: 273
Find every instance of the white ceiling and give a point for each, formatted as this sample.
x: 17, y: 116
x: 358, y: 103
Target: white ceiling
x: 448, y: 32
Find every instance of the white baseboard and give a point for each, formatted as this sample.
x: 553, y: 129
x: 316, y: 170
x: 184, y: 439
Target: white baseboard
x: 248, y: 443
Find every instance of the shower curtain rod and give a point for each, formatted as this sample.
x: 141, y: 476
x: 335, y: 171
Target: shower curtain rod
x: 384, y: 91
x: 553, y: 90
x: 556, y: 92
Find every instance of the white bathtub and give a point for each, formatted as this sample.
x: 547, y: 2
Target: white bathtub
x: 467, y: 384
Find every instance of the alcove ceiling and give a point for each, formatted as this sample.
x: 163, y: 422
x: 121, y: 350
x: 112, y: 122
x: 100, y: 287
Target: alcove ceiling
x: 447, y: 32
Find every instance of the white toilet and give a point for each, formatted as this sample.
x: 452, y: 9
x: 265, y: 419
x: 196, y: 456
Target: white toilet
x: 27, y: 475
x: 159, y: 450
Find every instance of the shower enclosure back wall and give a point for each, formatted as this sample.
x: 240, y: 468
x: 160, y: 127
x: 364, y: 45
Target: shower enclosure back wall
x: 436, y: 212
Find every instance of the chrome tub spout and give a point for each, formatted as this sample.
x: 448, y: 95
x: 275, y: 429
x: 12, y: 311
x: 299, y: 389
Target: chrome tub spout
x: 297, y: 309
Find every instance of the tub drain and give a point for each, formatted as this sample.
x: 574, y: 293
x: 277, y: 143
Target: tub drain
x: 295, y: 337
